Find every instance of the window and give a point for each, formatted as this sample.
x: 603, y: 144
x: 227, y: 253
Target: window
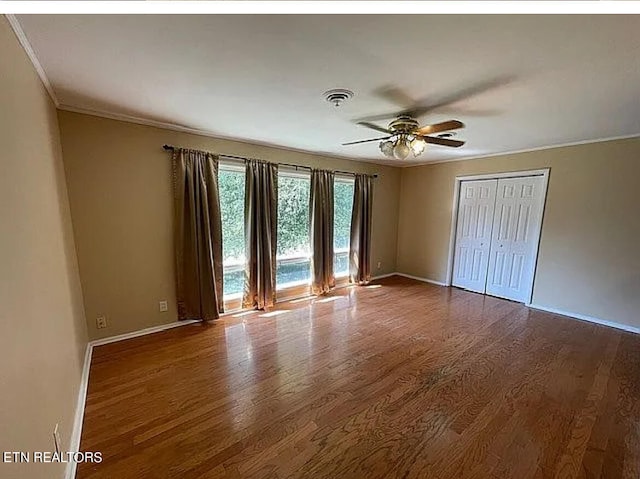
x: 343, y: 205
x: 293, y: 245
x: 231, y: 189
x: 293, y: 256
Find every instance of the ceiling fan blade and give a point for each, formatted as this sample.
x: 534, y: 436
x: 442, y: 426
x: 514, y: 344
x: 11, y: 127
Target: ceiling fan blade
x: 438, y: 127
x: 383, y: 116
x: 462, y: 94
x: 374, y: 127
x: 443, y: 141
x: 366, y: 141
x: 395, y: 95
x: 419, y: 109
x: 465, y: 112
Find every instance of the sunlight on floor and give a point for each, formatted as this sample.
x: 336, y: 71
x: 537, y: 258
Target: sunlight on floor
x: 329, y: 299
x: 275, y: 313
x: 244, y: 313
x: 301, y: 300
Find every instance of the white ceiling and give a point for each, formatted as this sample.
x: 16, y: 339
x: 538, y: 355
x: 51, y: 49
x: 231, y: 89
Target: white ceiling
x: 554, y: 79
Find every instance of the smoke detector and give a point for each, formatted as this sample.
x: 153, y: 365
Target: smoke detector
x: 337, y: 96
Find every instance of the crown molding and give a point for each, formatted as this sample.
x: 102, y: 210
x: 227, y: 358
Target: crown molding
x: 207, y: 133
x: 527, y: 150
x: 210, y: 134
x: 24, y: 42
x: 28, y: 49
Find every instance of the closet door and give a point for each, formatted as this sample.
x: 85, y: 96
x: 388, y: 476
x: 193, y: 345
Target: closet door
x: 516, y: 229
x: 473, y: 234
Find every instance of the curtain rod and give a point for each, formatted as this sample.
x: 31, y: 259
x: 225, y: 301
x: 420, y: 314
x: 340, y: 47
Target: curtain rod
x: 171, y: 147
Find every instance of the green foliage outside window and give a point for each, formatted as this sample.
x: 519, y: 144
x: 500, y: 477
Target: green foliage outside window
x: 293, y: 215
x: 343, y: 205
x: 231, y: 188
x: 293, y: 226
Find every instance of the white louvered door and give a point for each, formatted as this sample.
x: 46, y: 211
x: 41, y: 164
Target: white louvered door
x: 516, y: 220
x: 473, y: 234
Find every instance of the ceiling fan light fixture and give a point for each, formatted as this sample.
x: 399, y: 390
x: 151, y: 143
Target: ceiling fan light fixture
x: 417, y: 146
x: 406, y: 137
x: 402, y: 149
x: 386, y: 147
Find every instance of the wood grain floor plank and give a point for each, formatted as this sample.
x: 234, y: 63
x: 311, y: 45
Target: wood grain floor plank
x: 395, y: 380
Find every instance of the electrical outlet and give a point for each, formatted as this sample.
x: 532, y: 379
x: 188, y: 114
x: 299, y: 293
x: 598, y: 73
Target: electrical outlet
x: 164, y: 306
x: 101, y: 322
x: 56, y: 439
x: 379, y: 264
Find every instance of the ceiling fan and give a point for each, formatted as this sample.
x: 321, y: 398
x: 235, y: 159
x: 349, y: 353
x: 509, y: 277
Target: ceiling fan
x: 404, y: 136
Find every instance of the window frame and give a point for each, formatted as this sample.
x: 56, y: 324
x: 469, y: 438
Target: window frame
x: 295, y: 289
x: 232, y: 302
x: 342, y: 278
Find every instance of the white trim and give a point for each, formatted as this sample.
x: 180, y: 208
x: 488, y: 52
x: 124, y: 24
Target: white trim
x: 28, y: 49
x: 584, y: 317
x: 210, y: 134
x: 289, y: 171
x: 76, y: 433
x: 424, y: 280
x: 504, y: 174
x: 74, y: 445
x: 387, y: 275
x: 452, y: 232
x: 22, y: 38
x: 230, y: 165
x: 377, y: 161
x: 141, y: 332
x: 342, y: 177
x: 294, y: 295
x: 543, y: 172
x: 524, y: 150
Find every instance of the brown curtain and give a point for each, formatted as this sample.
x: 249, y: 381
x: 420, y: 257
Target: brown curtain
x: 360, y: 244
x: 321, y: 231
x: 198, y: 235
x: 260, y: 216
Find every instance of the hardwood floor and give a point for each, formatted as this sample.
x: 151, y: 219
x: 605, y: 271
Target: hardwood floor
x: 396, y: 380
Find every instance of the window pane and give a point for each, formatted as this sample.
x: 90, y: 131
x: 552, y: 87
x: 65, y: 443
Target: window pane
x: 343, y: 205
x: 231, y: 185
x: 293, y: 246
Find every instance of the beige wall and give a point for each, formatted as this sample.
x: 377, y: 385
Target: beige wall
x: 119, y: 181
x: 42, y: 328
x: 589, y: 262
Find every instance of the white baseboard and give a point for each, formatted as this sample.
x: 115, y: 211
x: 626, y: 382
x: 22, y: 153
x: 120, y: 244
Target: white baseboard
x: 584, y: 317
x: 142, y: 332
x: 570, y: 314
x: 74, y: 446
x: 76, y: 433
x: 424, y: 280
x: 373, y: 278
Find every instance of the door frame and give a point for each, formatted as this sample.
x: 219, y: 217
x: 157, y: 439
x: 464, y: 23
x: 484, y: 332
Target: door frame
x: 543, y: 172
